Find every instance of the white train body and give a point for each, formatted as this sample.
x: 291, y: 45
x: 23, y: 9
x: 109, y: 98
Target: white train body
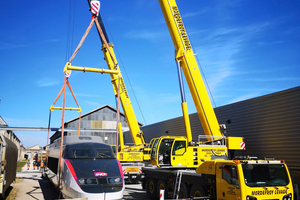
x: 89, y: 169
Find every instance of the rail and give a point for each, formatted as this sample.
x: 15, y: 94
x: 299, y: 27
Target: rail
x: 205, y: 140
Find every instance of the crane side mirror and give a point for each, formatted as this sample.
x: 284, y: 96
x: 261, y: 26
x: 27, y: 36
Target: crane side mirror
x: 233, y: 172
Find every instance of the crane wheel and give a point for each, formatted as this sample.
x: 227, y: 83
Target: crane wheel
x: 162, y: 185
x: 197, y: 191
x: 183, y: 191
x: 152, y: 188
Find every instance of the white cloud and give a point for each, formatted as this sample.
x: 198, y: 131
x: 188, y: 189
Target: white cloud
x: 193, y: 14
x: 167, y: 98
x: 244, y: 97
x: 46, y: 82
x: 25, y: 122
x: 93, y: 103
x: 4, y: 46
x: 142, y: 34
x: 86, y: 95
x: 275, y: 79
x: 219, y: 47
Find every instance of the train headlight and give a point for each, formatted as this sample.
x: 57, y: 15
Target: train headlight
x: 114, y: 180
x: 81, y: 181
x: 87, y: 181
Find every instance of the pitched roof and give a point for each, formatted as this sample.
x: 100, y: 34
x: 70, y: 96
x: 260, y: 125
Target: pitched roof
x: 97, y: 109
x: 35, y: 147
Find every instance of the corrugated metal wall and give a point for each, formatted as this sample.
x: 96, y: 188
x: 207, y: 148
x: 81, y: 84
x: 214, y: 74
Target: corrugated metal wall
x: 270, y: 125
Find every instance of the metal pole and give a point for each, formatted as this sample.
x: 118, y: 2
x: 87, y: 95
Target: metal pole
x: 118, y: 114
x: 48, y: 131
x: 62, y: 132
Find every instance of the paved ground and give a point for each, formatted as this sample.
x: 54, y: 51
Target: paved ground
x: 34, y: 187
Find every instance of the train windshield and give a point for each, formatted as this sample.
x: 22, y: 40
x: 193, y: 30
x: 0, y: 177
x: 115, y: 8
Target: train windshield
x: 262, y: 175
x: 88, y: 150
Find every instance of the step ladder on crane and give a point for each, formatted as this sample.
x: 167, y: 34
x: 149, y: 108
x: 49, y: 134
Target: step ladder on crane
x: 177, y: 184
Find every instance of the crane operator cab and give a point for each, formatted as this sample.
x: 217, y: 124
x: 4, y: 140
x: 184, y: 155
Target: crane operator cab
x: 165, y: 149
x: 175, y: 151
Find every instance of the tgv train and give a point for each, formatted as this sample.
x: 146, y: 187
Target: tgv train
x: 89, y: 169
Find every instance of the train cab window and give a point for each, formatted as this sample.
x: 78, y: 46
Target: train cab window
x: 82, y: 153
x: 104, y: 153
x: 179, y: 148
x: 229, y: 174
x: 88, y: 150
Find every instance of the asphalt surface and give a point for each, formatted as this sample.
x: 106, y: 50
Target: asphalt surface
x: 34, y: 187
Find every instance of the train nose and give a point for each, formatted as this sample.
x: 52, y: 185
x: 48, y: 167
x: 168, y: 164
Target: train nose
x: 99, y: 175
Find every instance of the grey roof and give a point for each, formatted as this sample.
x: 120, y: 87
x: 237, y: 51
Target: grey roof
x: 95, y: 110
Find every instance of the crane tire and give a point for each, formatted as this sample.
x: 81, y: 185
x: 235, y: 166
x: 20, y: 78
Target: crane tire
x: 183, y: 191
x: 152, y: 188
x: 197, y: 191
x: 162, y: 185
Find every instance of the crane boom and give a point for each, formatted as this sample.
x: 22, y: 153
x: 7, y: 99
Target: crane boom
x: 132, y: 122
x: 185, y: 56
x: 109, y: 56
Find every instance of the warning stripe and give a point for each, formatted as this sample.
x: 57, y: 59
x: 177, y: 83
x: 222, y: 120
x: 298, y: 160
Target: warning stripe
x: 95, y: 7
x: 243, y: 146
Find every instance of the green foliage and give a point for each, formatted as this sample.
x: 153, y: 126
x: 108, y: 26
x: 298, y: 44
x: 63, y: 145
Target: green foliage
x: 20, y: 165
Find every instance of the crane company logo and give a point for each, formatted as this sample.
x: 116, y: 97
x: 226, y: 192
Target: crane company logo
x: 268, y: 192
x: 181, y: 28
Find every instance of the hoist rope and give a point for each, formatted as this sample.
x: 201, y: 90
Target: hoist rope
x: 62, y: 131
x: 82, y: 39
x: 105, y: 42
x: 70, y: 30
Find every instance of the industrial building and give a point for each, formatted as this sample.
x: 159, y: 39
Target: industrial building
x: 12, y: 137
x: 269, y: 124
x: 103, y: 118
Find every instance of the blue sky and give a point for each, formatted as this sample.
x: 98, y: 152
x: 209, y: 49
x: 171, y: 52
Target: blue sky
x: 246, y: 49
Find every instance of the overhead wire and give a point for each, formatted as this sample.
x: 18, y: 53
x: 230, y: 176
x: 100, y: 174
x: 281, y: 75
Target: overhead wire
x: 70, y: 31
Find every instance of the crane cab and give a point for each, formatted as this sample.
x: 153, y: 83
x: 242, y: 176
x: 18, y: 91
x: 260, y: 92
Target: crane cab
x: 176, y: 152
x: 247, y: 179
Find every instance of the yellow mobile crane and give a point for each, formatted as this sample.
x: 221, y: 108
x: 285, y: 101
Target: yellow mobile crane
x: 213, y: 168
x: 183, y: 151
x: 130, y: 156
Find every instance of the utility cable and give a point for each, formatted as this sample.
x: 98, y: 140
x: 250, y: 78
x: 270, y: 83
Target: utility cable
x: 70, y: 30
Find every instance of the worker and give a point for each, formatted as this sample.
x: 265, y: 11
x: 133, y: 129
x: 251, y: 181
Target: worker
x: 38, y: 163
x: 34, y: 164
x: 28, y: 165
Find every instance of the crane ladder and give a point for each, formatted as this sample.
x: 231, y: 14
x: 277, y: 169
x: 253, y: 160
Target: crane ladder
x: 177, y: 184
